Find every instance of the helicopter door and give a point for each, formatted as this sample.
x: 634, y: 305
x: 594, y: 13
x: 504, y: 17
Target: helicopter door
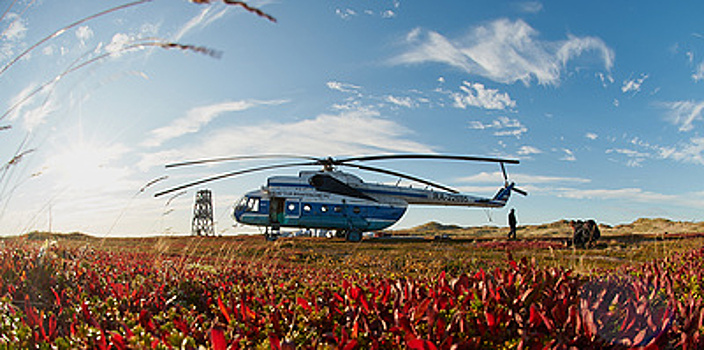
x: 276, y: 210
x: 293, y: 208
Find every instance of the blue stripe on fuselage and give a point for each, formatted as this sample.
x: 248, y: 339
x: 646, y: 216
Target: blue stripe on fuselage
x: 363, y: 190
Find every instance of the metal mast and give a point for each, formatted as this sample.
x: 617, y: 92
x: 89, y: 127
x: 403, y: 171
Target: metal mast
x: 203, y: 214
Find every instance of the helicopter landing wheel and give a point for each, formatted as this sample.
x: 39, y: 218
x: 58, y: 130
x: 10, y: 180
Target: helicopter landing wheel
x: 272, y: 233
x: 271, y: 237
x: 354, y: 236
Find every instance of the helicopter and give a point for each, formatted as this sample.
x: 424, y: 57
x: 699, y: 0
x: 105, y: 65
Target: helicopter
x: 341, y: 202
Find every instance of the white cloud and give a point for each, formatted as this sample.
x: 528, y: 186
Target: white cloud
x: 569, y: 155
x: 84, y: 33
x: 635, y: 158
x: 627, y: 194
x: 591, y: 136
x: 208, y: 15
x: 360, y: 131
x: 343, y: 87
x: 505, y: 126
x: 698, y: 72
x: 118, y: 43
x: 197, y: 118
x: 345, y: 13
x: 37, y: 116
x: 475, y: 94
x: 401, y: 101
x: 504, y: 51
x: 488, y: 177
x: 633, y: 85
x: 684, y: 113
x: 16, y: 30
x: 12, y: 35
x: 528, y: 150
x: 530, y: 6
x: 692, y: 152
x: 388, y: 14
x: 18, y: 99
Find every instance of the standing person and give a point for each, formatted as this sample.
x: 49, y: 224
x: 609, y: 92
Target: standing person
x: 512, y: 224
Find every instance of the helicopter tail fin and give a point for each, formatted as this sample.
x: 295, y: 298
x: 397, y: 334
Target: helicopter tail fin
x: 501, y: 197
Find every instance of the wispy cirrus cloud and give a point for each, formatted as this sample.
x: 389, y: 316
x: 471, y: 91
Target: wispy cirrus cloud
x: 354, y: 131
x: 524, y: 179
x: 83, y: 34
x: 698, y: 72
x: 401, y: 101
x: 377, y: 9
x: 635, y: 158
x: 530, y: 6
x: 198, y: 117
x: 684, y: 113
x: 207, y: 16
x: 503, y: 126
x: 343, y: 87
x: 633, y: 85
x: 689, y: 152
x: 16, y: 30
x: 529, y: 150
x: 568, y: 155
x: 504, y: 51
x: 12, y: 35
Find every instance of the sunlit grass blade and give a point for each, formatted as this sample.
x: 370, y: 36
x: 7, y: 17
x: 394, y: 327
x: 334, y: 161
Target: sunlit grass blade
x: 64, y: 29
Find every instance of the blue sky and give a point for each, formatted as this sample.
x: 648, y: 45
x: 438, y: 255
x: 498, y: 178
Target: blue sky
x: 601, y: 101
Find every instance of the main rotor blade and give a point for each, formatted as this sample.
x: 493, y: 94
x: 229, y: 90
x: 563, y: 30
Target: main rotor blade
x: 394, y: 173
x: 234, y: 173
x: 234, y: 158
x: 425, y: 156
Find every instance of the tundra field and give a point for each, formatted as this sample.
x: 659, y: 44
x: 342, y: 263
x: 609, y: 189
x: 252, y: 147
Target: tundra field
x: 445, y: 287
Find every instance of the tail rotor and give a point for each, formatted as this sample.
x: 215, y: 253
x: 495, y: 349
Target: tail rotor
x: 512, y: 184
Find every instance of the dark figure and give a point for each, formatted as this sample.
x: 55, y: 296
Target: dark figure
x: 512, y: 224
x: 579, y: 237
x: 594, y: 233
x: 584, y: 233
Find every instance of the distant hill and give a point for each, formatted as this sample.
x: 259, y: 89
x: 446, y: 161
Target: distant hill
x: 42, y: 236
x: 555, y: 229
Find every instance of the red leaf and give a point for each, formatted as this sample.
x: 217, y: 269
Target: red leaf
x: 421, y: 344
x: 217, y: 338
x: 274, y: 341
x: 303, y: 303
x: 490, y: 319
x: 420, y: 310
x: 58, y: 300
x: 223, y: 309
x: 351, y: 345
x: 117, y: 341
x: 534, y: 318
x: 365, y: 304
x: 182, y: 326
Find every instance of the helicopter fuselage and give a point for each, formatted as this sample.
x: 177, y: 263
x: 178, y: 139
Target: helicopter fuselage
x: 335, y: 200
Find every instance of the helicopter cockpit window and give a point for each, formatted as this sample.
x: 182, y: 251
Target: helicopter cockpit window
x: 253, y: 204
